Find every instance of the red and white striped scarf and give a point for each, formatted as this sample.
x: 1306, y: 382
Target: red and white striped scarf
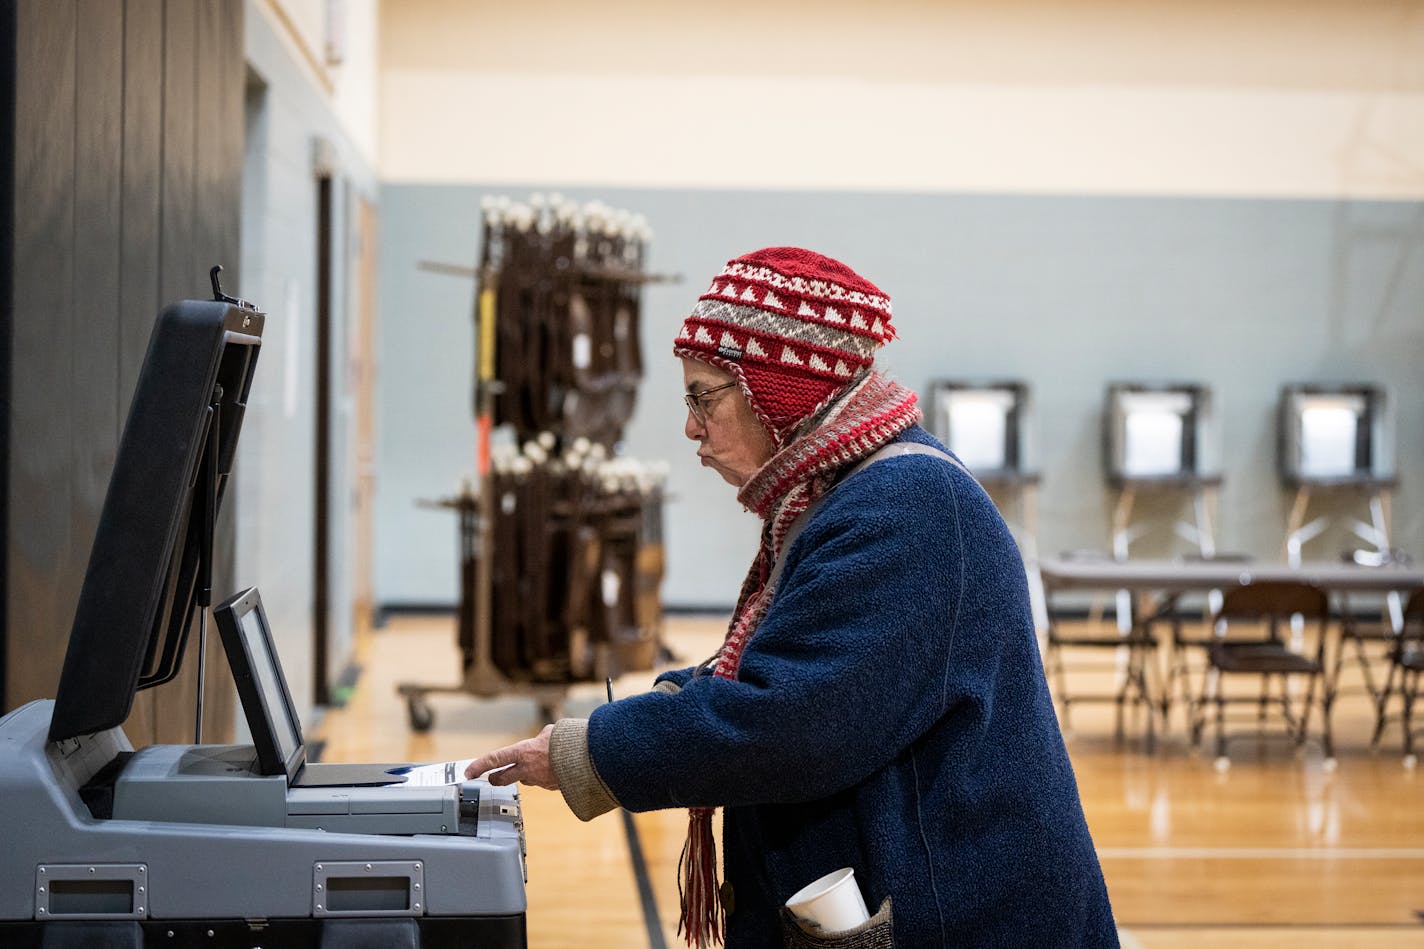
x: 851, y: 427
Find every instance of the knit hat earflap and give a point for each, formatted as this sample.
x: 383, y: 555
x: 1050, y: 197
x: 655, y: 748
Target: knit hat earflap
x: 794, y: 326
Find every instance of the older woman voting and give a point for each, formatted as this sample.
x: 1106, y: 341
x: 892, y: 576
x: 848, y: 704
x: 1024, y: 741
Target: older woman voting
x: 878, y: 704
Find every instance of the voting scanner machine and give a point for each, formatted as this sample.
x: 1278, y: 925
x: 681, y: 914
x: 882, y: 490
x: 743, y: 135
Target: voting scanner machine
x: 219, y: 845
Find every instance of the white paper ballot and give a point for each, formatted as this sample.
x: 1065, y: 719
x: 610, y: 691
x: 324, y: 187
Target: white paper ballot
x: 431, y: 775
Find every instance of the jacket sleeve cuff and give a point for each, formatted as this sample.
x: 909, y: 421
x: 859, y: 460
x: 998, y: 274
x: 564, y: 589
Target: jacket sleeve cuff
x: 668, y: 686
x: 582, y: 788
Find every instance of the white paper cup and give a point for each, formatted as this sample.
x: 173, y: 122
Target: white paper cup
x: 833, y: 902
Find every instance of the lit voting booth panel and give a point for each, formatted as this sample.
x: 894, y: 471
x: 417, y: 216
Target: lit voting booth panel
x: 1157, y: 432
x: 219, y: 845
x: 1335, y: 435
x: 984, y: 424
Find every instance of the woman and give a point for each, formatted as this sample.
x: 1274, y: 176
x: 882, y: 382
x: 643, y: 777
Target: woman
x: 878, y: 702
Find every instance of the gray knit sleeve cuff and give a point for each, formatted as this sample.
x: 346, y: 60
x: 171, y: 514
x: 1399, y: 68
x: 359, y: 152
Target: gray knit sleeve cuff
x: 582, y: 788
x: 668, y: 686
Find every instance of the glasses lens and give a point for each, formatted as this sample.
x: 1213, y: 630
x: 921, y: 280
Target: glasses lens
x: 694, y: 400
x: 695, y: 407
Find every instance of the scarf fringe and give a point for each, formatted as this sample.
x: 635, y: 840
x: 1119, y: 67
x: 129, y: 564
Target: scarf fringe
x: 697, y: 884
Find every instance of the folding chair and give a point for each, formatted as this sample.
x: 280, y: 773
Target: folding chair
x: 1133, y: 687
x: 1406, y: 662
x: 1372, y: 643
x: 1250, y: 652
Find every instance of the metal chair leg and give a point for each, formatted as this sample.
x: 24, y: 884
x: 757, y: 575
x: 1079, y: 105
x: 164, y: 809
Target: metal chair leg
x: 1409, y: 688
x: 1220, y: 714
x: 1055, y: 659
x: 1382, y: 707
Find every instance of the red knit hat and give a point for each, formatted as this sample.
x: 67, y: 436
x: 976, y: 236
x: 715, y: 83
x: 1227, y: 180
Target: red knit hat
x: 792, y: 325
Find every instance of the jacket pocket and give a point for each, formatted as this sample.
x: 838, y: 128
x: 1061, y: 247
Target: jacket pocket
x: 877, y: 932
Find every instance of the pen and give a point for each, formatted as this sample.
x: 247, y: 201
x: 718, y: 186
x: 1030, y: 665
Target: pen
x: 609, y: 682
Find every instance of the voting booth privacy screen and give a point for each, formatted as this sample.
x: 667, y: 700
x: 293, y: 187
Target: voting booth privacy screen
x: 1335, y: 434
x: 1158, y: 432
x: 985, y: 424
x: 140, y: 592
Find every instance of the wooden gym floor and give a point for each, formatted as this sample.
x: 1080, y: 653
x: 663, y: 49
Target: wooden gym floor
x: 1277, y: 851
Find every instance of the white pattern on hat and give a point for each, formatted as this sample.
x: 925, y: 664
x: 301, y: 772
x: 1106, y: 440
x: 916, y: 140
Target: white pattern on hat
x: 763, y: 323
x: 800, y: 285
x: 787, y: 356
x: 819, y: 364
x: 704, y: 337
x: 754, y: 348
x: 729, y: 340
x: 749, y: 295
x: 857, y: 321
x: 729, y: 290
x: 842, y: 369
x: 771, y: 300
x: 833, y: 316
x: 805, y: 310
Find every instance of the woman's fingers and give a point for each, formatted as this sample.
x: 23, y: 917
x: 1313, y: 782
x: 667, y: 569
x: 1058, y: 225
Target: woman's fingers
x: 524, y: 761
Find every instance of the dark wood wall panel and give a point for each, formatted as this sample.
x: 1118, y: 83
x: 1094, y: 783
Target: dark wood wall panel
x: 44, y: 568
x: 233, y: 95
x: 127, y: 187
x: 98, y: 158
x: 142, y: 158
x: 180, y: 136
x: 7, y: 248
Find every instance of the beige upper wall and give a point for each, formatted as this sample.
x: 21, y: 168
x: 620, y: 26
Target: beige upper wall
x: 310, y: 29
x: 1309, y: 98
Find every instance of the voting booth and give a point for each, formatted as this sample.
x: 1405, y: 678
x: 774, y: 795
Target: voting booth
x: 1334, y: 434
x: 1158, y: 432
x: 985, y: 424
x: 219, y: 845
x: 1337, y: 440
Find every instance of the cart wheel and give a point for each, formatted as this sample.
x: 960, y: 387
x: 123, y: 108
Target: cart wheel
x: 421, y: 715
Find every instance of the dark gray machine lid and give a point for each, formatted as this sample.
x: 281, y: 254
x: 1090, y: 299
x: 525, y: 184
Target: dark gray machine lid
x: 141, y: 587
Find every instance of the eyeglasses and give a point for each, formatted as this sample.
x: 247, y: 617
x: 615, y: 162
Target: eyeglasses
x: 694, y: 401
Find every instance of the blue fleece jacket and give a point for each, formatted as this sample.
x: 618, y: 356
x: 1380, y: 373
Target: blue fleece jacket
x: 890, y: 714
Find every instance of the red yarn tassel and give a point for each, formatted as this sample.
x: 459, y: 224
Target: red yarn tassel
x: 702, y: 919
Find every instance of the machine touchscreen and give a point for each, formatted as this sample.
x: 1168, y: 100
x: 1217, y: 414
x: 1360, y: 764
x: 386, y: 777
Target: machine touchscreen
x: 267, y: 704
x: 271, y: 717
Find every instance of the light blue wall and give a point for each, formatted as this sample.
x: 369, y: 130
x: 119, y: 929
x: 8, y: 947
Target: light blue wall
x: 274, y: 477
x: 1066, y: 292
